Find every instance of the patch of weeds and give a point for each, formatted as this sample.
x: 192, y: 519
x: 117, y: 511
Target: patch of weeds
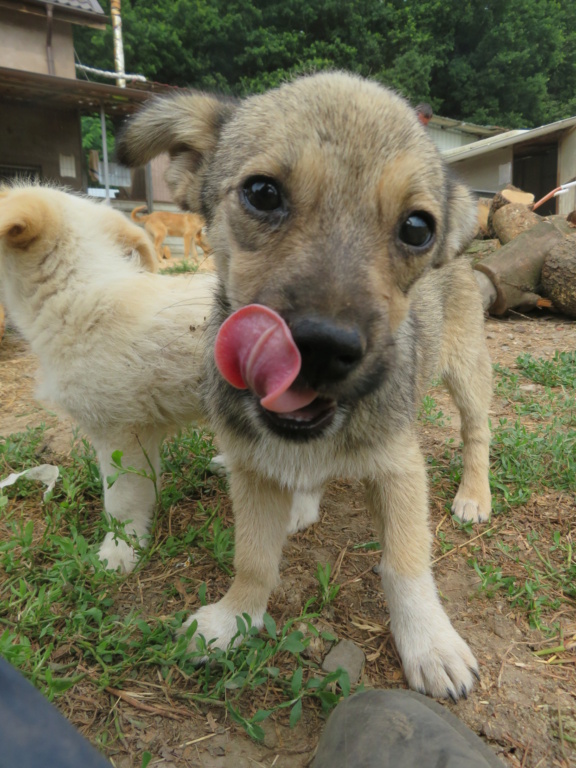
x: 185, y: 464
x: 525, y: 459
x: 237, y: 671
x: 211, y: 536
x: 18, y: 452
x: 560, y: 371
x: 506, y: 383
x: 430, y: 413
x: 326, y: 591
x: 181, y: 267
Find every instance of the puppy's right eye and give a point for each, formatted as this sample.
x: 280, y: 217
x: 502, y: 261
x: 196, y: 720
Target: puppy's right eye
x: 262, y: 194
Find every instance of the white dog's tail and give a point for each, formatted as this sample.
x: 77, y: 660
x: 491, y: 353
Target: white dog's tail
x: 27, y: 220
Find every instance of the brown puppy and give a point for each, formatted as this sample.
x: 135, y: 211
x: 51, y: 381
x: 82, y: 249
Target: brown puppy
x: 327, y: 202
x: 163, y: 224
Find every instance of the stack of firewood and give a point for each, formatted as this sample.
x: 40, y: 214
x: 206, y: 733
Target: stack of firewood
x: 524, y: 260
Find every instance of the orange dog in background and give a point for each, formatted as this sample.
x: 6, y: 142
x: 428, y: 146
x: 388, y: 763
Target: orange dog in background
x: 162, y: 224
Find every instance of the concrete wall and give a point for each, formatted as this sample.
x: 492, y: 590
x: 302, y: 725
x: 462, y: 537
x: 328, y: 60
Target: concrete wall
x: 567, y: 170
x: 486, y: 173
x: 23, y: 44
x: 48, y: 139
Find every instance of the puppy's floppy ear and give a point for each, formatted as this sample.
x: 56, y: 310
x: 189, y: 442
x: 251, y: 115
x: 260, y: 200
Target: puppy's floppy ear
x: 186, y: 125
x: 27, y: 220
x: 461, y: 220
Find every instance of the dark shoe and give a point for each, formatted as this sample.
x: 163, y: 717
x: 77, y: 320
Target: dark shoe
x: 399, y: 729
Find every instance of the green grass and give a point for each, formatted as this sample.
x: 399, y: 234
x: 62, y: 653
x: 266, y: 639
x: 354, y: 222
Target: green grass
x: 64, y: 619
x: 534, y: 456
x: 181, y: 267
x: 66, y: 622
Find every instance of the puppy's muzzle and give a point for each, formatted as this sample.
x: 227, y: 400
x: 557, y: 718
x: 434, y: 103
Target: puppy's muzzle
x: 330, y: 352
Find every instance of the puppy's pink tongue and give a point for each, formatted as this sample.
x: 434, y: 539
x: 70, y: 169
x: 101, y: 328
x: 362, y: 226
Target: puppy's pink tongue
x: 255, y: 350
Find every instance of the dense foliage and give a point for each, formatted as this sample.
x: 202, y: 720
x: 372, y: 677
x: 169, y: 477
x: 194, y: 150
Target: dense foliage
x: 505, y: 62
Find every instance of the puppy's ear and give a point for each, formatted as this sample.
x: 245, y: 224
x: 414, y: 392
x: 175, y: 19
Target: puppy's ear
x: 461, y: 220
x: 188, y: 127
x: 27, y: 221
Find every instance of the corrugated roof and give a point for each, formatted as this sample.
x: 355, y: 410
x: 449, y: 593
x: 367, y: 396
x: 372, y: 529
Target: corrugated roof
x: 507, y: 139
x: 88, y: 12
x: 90, y: 6
x: 37, y: 90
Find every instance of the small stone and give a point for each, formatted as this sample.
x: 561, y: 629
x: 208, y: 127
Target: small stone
x: 347, y: 655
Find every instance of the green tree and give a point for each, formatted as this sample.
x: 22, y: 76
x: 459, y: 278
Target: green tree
x: 507, y: 62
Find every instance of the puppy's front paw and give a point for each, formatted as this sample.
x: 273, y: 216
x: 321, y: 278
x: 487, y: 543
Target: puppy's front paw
x: 438, y: 662
x: 305, y: 511
x: 471, y: 510
x: 118, y: 554
x: 217, y: 624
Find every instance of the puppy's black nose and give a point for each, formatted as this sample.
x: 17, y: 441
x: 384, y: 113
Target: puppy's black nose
x: 330, y: 352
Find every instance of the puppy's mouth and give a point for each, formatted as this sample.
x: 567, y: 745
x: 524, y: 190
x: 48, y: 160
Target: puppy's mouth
x: 255, y: 351
x: 302, y: 423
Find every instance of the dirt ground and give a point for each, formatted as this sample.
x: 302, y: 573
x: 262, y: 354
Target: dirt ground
x: 520, y: 702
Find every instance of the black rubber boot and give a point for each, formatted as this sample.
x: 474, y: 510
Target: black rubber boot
x: 33, y: 734
x: 399, y: 729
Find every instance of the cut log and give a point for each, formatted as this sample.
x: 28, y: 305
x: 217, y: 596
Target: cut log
x: 510, y: 194
x: 515, y: 269
x: 484, y: 204
x: 487, y: 290
x: 479, y: 249
x: 559, y: 276
x: 511, y: 220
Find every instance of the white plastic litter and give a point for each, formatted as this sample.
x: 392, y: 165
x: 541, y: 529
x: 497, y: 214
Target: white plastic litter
x: 45, y: 473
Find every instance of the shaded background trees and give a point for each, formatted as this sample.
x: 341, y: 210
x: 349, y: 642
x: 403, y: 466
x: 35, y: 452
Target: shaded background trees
x: 504, y: 62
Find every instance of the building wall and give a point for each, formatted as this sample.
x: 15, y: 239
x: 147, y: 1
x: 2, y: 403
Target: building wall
x: 567, y: 170
x: 486, y: 173
x: 449, y: 139
x: 47, y: 139
x: 23, y: 44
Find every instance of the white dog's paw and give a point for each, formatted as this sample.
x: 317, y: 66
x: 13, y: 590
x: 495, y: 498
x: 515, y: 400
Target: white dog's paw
x: 439, y: 662
x: 305, y: 510
x: 469, y: 510
x: 118, y: 554
x: 217, y: 624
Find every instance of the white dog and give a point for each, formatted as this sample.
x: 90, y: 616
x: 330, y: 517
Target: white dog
x: 120, y: 347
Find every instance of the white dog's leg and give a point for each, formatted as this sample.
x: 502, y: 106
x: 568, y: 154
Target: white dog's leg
x: 436, y: 660
x: 261, y: 516
x: 130, y: 500
x: 305, y: 510
x: 218, y: 466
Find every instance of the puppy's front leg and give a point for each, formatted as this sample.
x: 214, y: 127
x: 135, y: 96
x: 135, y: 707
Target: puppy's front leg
x: 436, y: 660
x: 261, y: 517
x: 131, y: 498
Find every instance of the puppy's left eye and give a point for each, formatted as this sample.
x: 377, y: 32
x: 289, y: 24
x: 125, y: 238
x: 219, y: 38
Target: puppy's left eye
x: 262, y: 193
x: 417, y: 231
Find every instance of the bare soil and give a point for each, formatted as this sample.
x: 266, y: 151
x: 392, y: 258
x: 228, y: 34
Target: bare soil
x: 522, y: 703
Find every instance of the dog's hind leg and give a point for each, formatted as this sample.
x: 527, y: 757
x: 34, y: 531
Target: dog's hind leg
x: 131, y: 498
x: 469, y: 380
x: 435, y: 658
x: 261, y: 518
